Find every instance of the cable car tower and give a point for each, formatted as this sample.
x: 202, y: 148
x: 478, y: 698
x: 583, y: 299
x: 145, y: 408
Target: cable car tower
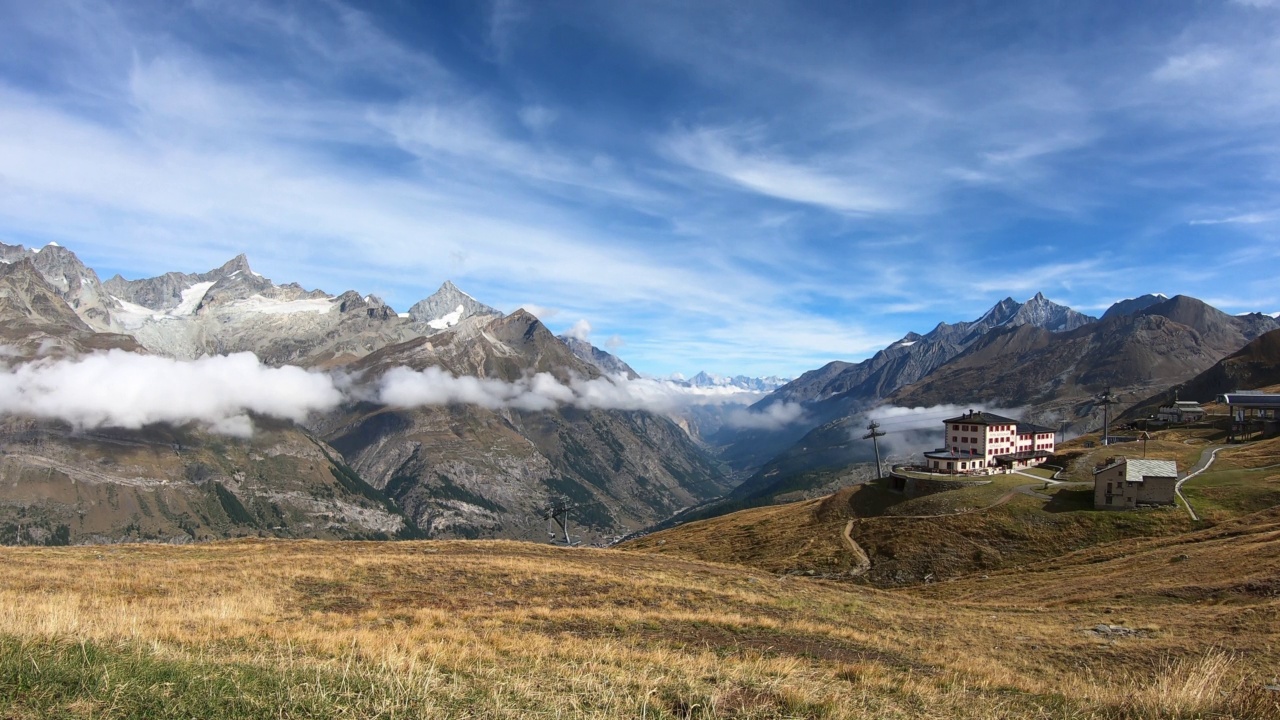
x: 557, y: 516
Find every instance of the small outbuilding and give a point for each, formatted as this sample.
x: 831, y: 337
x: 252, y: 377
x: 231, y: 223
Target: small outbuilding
x: 1122, y: 483
x: 1181, y: 411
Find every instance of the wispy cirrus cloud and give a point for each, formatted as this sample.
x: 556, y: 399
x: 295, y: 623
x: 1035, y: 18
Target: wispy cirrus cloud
x: 713, y: 151
x: 739, y: 187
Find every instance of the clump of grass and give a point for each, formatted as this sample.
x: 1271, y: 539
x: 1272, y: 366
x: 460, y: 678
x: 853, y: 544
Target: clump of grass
x: 1203, y: 686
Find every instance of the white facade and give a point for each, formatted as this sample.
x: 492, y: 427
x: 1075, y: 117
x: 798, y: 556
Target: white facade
x: 979, y: 441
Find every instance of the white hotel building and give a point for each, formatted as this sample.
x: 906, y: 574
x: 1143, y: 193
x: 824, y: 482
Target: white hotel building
x: 977, y: 442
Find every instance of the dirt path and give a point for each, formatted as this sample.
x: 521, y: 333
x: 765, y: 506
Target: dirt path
x: 1206, y: 459
x: 864, y: 562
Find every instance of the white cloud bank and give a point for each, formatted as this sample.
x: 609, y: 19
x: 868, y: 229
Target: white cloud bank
x: 773, y: 417
x: 123, y: 389
x: 433, y: 386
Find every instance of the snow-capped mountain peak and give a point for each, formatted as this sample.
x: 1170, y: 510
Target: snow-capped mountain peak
x: 447, y: 307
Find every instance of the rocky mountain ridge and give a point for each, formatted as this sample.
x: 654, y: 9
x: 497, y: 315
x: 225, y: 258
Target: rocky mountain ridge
x: 840, y: 389
x: 459, y: 466
x: 1053, y: 378
x: 606, y: 362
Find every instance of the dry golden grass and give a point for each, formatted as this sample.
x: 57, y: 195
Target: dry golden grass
x: 501, y: 629
x: 911, y: 540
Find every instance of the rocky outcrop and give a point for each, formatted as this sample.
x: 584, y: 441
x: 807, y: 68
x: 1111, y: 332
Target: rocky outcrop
x: 607, y: 363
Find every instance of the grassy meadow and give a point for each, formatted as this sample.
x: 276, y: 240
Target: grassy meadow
x: 502, y: 629
x: 981, y: 602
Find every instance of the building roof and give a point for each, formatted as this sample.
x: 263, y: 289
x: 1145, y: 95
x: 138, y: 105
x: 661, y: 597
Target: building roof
x: 982, y: 418
x: 1137, y: 470
x: 986, y: 418
x: 1255, y: 400
x: 1187, y: 404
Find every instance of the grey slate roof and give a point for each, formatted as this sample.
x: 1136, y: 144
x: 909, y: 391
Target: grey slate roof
x: 1025, y: 428
x: 1136, y: 470
x: 982, y: 418
x: 986, y: 418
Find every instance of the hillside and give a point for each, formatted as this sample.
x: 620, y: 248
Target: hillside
x: 465, y: 470
x: 181, y: 485
x: 501, y: 629
x: 953, y: 529
x: 1253, y: 366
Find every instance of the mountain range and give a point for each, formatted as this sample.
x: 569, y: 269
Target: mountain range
x: 1044, y: 364
x: 455, y: 420
x: 363, y: 468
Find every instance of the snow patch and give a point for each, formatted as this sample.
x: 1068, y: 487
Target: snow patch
x: 403, y: 315
x: 447, y: 321
x: 132, y: 316
x: 267, y: 306
x: 191, y: 298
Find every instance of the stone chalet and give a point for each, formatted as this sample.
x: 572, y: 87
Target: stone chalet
x: 979, y: 442
x: 1181, y: 411
x: 1121, y: 483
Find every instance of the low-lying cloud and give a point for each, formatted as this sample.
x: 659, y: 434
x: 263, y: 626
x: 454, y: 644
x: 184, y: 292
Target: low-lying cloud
x: 910, y: 431
x: 773, y: 417
x: 403, y: 387
x: 128, y: 390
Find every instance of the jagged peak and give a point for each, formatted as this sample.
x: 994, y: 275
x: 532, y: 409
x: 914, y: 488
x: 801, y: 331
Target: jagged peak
x: 239, y: 263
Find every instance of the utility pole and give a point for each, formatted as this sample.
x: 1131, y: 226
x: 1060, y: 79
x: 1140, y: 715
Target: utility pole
x: 1107, y: 400
x: 874, y: 433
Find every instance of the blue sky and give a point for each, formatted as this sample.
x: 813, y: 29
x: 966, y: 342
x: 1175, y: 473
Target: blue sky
x: 742, y: 187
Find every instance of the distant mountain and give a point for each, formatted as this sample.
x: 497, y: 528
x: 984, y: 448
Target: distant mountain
x: 1043, y: 313
x: 469, y: 471
x: 607, y: 363
x: 232, y: 309
x: 1056, y: 376
x: 737, y: 382
x: 77, y: 284
x: 839, y: 389
x: 1052, y: 377
x: 1254, y: 366
x: 35, y: 320
x: 465, y: 468
x: 1133, y: 305
x: 447, y: 307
